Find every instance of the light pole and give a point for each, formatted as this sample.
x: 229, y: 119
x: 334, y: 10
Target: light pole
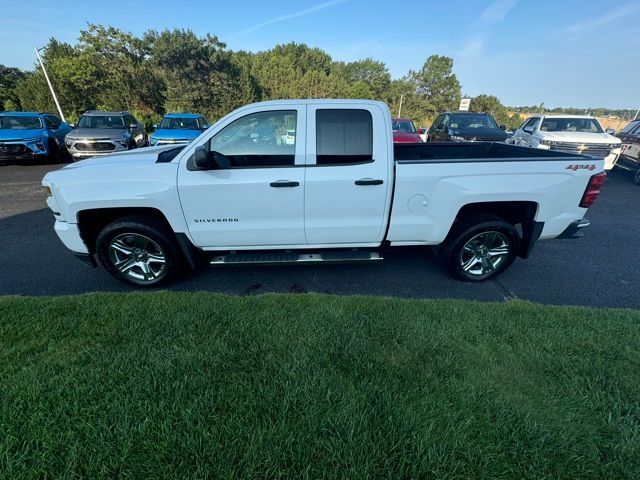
x: 400, y: 107
x: 637, y: 113
x: 55, y: 99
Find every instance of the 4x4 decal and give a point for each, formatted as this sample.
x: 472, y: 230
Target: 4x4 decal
x: 589, y: 166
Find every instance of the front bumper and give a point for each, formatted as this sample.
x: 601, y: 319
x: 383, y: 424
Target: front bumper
x: 20, y: 150
x: 69, y: 234
x: 575, y: 229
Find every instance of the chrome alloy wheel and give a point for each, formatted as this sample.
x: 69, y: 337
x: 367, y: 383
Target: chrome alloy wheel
x: 484, y: 253
x: 137, y: 257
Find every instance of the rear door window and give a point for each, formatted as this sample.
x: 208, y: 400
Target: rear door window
x: 343, y: 136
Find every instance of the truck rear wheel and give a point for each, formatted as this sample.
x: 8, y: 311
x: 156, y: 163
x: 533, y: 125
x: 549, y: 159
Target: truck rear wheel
x: 480, y: 247
x: 140, y: 251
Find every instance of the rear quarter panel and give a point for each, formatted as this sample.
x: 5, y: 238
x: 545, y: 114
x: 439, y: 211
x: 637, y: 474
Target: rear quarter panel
x: 428, y: 196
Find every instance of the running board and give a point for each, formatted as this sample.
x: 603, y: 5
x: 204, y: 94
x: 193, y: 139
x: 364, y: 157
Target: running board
x: 272, y: 258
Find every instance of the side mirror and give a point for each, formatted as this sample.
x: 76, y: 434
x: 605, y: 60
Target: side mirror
x: 201, y: 159
x: 439, y: 127
x: 528, y: 129
x: 133, y: 126
x: 155, y: 126
x: 503, y: 127
x: 72, y: 125
x: 610, y: 131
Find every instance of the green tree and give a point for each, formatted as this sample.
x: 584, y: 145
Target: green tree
x: 9, y: 78
x: 295, y: 70
x: 491, y: 104
x: 436, y: 83
x: 119, y: 59
x: 197, y: 74
x: 372, y: 73
x: 360, y: 89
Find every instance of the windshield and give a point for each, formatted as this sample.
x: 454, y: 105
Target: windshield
x: 19, y: 122
x: 404, y: 126
x: 585, y: 125
x: 101, y: 121
x: 472, y: 121
x: 179, y: 123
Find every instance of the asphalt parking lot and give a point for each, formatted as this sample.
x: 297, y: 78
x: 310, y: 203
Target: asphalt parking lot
x: 601, y: 269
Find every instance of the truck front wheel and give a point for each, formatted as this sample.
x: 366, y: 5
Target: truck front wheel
x: 140, y: 251
x: 480, y: 247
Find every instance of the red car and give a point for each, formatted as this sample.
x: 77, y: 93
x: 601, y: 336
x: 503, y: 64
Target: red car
x: 404, y: 131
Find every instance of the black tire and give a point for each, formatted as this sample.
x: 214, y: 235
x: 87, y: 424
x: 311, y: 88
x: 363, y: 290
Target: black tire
x: 483, y: 236
x: 636, y: 177
x: 129, y: 233
x: 54, y: 151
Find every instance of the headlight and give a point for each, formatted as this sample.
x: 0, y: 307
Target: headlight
x: 456, y: 138
x: 152, y: 141
x: 47, y: 190
x: 68, y: 143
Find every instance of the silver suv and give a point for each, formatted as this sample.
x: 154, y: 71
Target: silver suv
x: 102, y: 133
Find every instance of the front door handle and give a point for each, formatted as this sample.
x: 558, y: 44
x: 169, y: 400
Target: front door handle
x: 369, y: 181
x: 284, y: 183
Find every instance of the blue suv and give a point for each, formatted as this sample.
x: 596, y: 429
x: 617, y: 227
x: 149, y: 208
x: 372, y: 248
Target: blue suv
x: 180, y: 128
x: 31, y: 135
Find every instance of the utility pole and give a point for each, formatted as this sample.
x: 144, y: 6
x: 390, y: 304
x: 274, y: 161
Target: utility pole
x: 637, y: 113
x: 400, y: 107
x: 55, y: 99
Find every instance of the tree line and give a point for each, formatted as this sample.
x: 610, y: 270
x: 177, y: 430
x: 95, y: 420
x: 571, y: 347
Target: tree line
x: 176, y: 70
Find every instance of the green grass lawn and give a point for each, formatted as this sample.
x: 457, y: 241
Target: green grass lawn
x: 309, y: 386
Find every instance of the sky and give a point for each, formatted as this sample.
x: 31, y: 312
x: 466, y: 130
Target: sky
x: 571, y: 53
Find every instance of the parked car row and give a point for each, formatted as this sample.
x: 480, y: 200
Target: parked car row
x: 42, y: 136
x: 580, y: 134
x: 450, y: 127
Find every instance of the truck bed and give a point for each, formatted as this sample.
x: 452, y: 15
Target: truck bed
x: 439, y: 152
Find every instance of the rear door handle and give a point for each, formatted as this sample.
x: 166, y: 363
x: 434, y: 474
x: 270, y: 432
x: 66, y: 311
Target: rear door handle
x: 369, y: 181
x: 284, y: 183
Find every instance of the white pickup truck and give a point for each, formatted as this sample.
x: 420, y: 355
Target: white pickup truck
x: 338, y: 191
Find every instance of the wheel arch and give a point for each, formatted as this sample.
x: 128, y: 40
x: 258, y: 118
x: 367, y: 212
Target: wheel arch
x: 522, y: 213
x: 92, y: 221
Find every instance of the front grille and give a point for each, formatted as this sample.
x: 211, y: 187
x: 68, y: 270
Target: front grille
x: 600, y: 150
x: 95, y: 146
x: 13, y: 149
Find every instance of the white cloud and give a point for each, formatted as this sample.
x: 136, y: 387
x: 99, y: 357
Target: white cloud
x: 472, y: 47
x: 289, y: 16
x: 591, y: 23
x: 497, y: 11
